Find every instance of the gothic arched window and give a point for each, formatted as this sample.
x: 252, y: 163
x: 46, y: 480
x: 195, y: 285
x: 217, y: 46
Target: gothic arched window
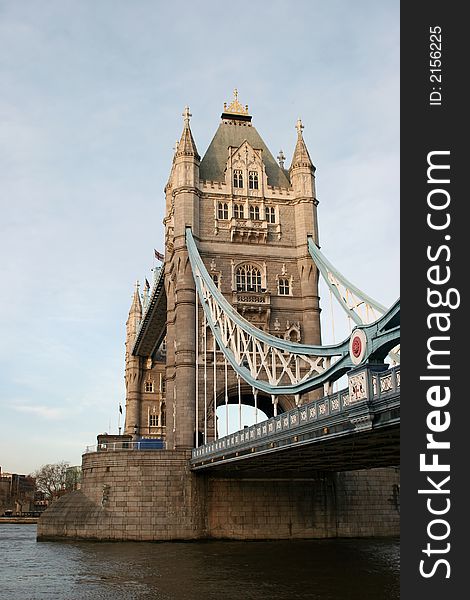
x: 237, y: 178
x: 270, y: 214
x: 222, y: 210
x: 254, y: 213
x: 216, y: 279
x: 284, y: 287
x: 238, y: 211
x: 248, y: 279
x: 149, y: 386
x: 253, y: 180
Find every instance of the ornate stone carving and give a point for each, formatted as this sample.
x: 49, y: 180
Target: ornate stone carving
x: 292, y: 332
x: 235, y: 107
x: 385, y: 384
x: 357, y: 387
x: 364, y: 422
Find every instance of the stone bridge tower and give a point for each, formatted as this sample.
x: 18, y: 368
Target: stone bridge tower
x: 250, y: 217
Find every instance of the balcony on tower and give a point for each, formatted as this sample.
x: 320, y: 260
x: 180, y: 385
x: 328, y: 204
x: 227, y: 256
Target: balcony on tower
x: 248, y: 230
x: 254, y: 306
x: 249, y: 292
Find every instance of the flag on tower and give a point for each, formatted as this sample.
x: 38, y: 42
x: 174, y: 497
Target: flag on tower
x: 147, y: 284
x: 120, y: 408
x: 159, y: 255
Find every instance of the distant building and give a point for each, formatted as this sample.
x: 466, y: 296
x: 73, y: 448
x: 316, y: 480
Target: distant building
x: 73, y: 477
x: 17, y: 493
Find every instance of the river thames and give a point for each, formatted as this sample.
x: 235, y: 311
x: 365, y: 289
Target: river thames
x: 346, y: 569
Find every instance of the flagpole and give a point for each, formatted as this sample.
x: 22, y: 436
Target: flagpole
x: 119, y: 418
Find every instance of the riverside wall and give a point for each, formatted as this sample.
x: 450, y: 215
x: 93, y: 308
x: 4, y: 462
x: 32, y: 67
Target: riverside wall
x: 153, y: 496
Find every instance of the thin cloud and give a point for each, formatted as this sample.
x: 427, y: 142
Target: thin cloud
x: 46, y: 412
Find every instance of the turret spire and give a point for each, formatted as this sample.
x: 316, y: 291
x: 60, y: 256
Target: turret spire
x: 135, y: 311
x: 186, y: 145
x: 133, y: 364
x: 301, y: 156
x: 136, y: 304
x: 187, y: 115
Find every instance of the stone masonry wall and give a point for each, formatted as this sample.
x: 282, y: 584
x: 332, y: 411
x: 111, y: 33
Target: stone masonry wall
x: 368, y: 502
x: 348, y: 504
x: 152, y: 495
x: 130, y: 495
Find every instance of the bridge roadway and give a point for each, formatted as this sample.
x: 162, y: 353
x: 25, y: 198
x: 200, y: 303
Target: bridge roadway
x: 355, y: 428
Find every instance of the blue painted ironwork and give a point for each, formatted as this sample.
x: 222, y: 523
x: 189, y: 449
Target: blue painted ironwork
x: 334, y: 279
x: 382, y: 392
x: 240, y: 341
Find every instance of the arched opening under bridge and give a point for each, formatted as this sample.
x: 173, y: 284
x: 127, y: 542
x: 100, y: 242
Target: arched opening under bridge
x: 244, y: 410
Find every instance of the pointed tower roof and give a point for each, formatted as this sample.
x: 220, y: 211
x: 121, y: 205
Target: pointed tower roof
x: 136, y: 306
x: 235, y: 129
x: 186, y: 145
x: 301, y: 156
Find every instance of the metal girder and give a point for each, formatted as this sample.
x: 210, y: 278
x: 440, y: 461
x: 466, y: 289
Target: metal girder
x: 268, y: 363
x: 360, y: 307
x: 356, y: 304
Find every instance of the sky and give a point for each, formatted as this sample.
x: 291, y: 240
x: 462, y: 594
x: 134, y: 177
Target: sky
x: 91, y: 106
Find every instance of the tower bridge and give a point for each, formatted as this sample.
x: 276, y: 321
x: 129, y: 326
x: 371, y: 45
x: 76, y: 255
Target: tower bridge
x: 233, y: 317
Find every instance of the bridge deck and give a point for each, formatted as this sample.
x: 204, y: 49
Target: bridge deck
x: 335, y: 433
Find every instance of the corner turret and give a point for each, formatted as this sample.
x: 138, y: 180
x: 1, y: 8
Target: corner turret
x: 302, y: 171
x: 186, y: 159
x: 132, y: 374
x: 302, y: 176
x: 135, y: 313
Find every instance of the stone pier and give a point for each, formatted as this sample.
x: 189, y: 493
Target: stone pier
x: 153, y: 496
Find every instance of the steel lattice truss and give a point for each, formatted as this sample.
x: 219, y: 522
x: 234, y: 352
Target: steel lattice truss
x: 359, y: 306
x: 263, y: 360
x: 267, y: 363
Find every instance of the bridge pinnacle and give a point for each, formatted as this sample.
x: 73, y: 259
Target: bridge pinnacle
x: 136, y: 306
x: 186, y: 146
x: 301, y: 156
x: 186, y: 115
x: 235, y: 107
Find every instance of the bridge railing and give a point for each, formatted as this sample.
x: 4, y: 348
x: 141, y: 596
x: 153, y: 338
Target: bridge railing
x: 365, y: 384
x: 125, y: 445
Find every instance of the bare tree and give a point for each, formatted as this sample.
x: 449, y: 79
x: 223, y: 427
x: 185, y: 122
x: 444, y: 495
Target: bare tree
x: 51, y: 479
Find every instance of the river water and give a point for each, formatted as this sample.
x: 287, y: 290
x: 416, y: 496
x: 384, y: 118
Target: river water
x: 347, y: 569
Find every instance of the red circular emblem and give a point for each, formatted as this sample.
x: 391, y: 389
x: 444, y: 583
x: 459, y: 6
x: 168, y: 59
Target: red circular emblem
x: 356, y: 347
